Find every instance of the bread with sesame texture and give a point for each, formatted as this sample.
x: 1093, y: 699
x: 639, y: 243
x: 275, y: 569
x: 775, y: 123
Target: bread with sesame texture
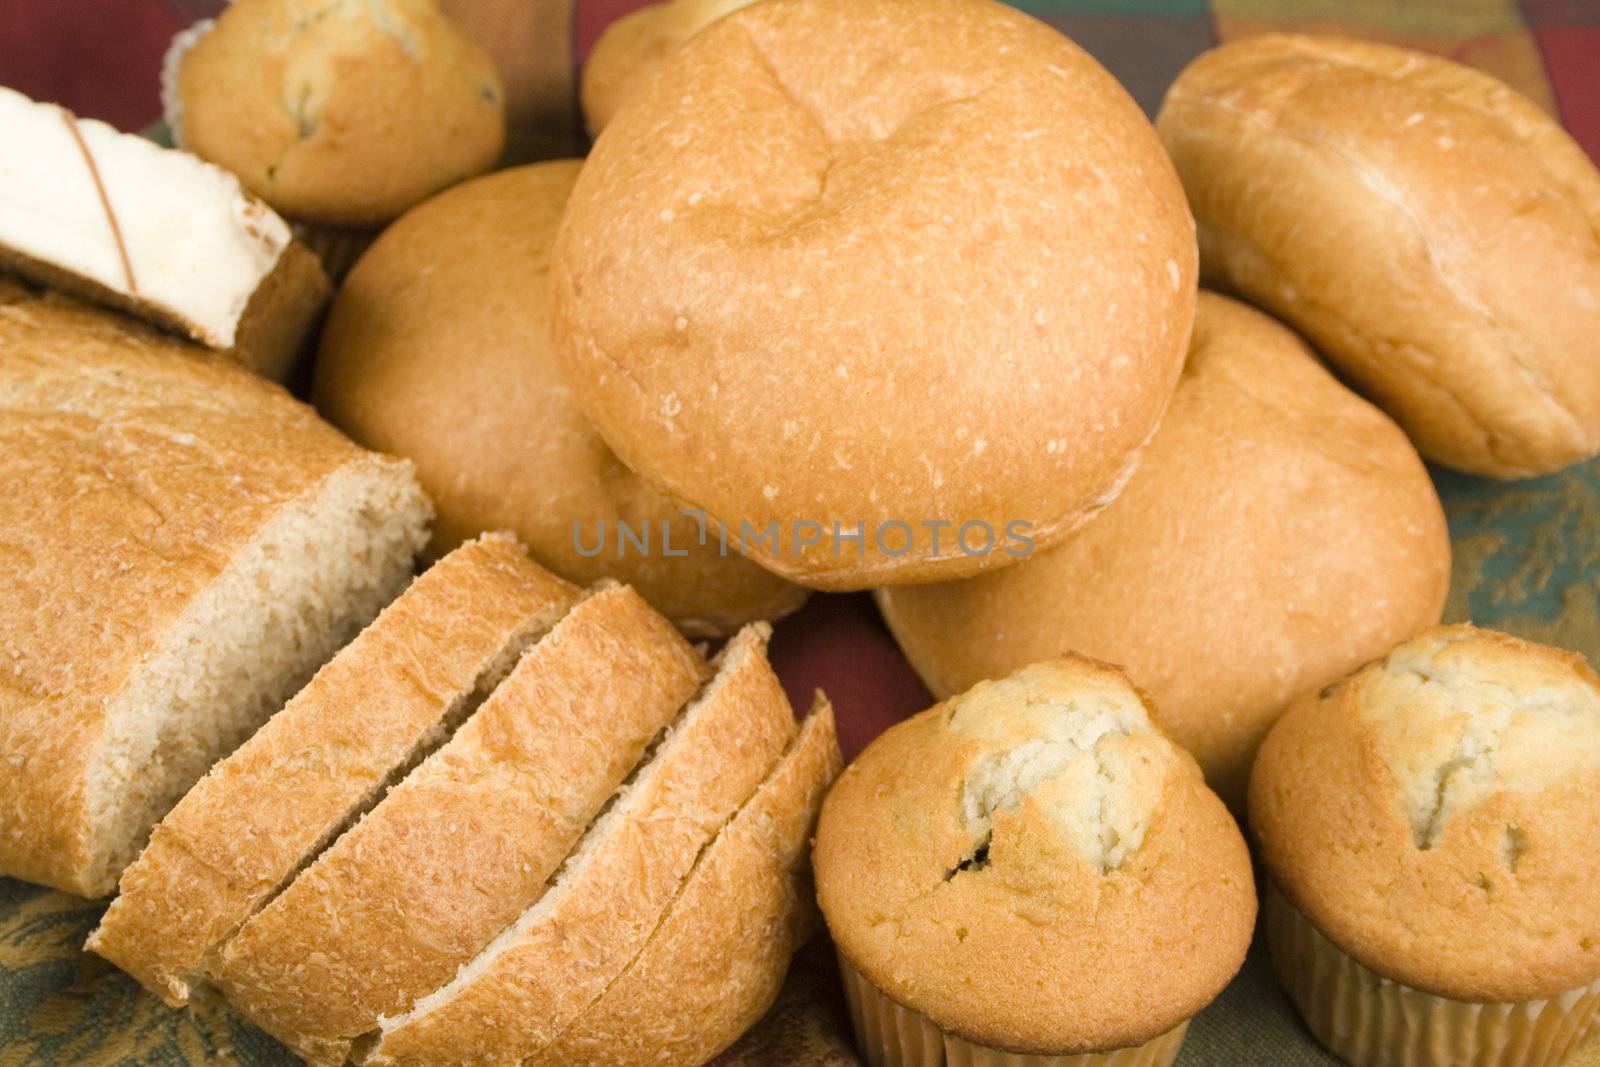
x: 334, y: 111
x: 841, y: 264
x: 1434, y: 815
x: 465, y: 843
x: 185, y: 546
x: 1275, y: 514
x: 371, y: 714
x: 564, y: 952
x: 497, y: 437
x: 1434, y: 233
x: 716, y: 962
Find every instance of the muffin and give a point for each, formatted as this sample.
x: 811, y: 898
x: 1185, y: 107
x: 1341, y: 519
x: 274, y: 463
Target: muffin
x: 336, y: 113
x: 1428, y: 826
x: 1029, y: 872
x: 1274, y: 513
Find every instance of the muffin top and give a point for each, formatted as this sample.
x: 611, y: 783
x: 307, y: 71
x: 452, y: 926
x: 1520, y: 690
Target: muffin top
x: 1436, y: 814
x: 1035, y: 867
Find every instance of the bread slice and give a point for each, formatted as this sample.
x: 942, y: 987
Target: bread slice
x: 260, y: 815
x: 563, y: 952
x: 183, y: 546
x: 155, y: 232
x: 466, y: 842
x: 715, y: 964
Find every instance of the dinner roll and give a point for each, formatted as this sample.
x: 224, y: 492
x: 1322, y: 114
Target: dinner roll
x: 1435, y: 234
x: 1279, y: 533
x: 637, y: 41
x: 336, y: 112
x: 437, y: 349
x: 873, y: 266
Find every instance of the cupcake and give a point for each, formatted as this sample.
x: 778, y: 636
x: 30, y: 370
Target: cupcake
x: 1031, y: 874
x: 1429, y: 827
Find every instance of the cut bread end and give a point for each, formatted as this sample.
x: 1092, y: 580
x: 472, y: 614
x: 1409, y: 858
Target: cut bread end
x: 313, y: 576
x: 613, y: 889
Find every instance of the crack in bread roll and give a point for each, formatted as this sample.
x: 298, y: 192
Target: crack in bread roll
x: 1433, y: 233
x: 852, y: 263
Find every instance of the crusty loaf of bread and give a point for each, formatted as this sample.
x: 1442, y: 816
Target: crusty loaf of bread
x: 184, y: 546
x: 370, y: 714
x: 562, y: 953
x: 466, y: 842
x: 155, y: 232
x: 717, y: 960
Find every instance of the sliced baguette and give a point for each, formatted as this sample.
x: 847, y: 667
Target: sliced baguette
x: 183, y: 546
x: 158, y: 233
x: 715, y: 964
x: 456, y: 851
x: 563, y: 952
x: 394, y: 692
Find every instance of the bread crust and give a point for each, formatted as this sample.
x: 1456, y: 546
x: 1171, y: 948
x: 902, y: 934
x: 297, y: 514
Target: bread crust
x: 136, y: 467
x: 1434, y: 233
x: 340, y: 112
x: 617, y: 885
x: 1275, y: 514
x: 1496, y: 900
x: 716, y: 962
x: 1027, y: 944
x: 240, y: 834
x: 497, y: 436
x: 457, y: 850
x: 777, y: 296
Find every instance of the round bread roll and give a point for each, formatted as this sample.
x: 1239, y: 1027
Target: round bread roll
x: 1432, y: 232
x: 874, y: 271
x: 636, y: 42
x: 1031, y: 867
x: 1429, y: 826
x: 437, y: 349
x: 1279, y: 533
x: 336, y: 112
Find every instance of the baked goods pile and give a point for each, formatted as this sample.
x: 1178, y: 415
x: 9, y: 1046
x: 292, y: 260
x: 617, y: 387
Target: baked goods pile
x: 899, y: 295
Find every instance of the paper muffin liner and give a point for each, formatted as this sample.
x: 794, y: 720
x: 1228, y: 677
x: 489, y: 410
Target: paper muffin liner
x: 1372, y: 1021
x: 891, y: 1035
x: 338, y: 247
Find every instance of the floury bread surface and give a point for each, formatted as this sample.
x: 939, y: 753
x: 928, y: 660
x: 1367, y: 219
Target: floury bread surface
x: 187, y: 545
x: 155, y: 232
x: 370, y: 715
x: 875, y: 261
x: 1432, y: 232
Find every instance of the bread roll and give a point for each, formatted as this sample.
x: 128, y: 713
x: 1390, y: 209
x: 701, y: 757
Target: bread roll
x: 494, y: 430
x: 635, y: 43
x: 160, y: 234
x: 336, y: 112
x: 371, y: 714
x: 1279, y: 533
x: 874, y: 262
x: 563, y: 953
x: 183, y: 546
x: 1432, y: 232
x: 464, y: 844
x: 716, y: 962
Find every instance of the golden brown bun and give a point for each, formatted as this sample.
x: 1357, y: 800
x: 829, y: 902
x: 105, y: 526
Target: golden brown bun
x: 1435, y: 234
x: 454, y: 853
x: 495, y: 433
x: 1034, y: 867
x: 340, y: 112
x: 877, y: 261
x: 637, y: 42
x: 1279, y: 533
x: 184, y: 544
x: 369, y: 715
x: 1434, y: 815
x: 716, y: 962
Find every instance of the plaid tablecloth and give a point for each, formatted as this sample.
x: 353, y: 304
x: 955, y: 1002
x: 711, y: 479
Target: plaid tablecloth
x: 1527, y: 555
